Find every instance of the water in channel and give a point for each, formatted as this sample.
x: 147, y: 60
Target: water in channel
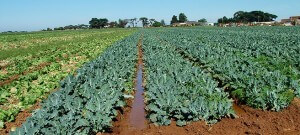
x: 137, y: 115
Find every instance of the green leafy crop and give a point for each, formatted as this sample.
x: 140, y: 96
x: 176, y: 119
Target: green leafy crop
x: 87, y: 102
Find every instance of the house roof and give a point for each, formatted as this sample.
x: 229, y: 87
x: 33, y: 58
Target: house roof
x: 285, y: 20
x: 294, y: 17
x: 178, y: 23
x: 187, y: 22
x: 192, y: 22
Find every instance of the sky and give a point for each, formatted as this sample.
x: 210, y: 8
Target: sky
x: 32, y: 15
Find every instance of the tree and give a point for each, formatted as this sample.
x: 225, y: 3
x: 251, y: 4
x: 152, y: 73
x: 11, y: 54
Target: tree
x: 240, y: 16
x: 69, y: 27
x: 174, y: 19
x: 151, y: 21
x: 230, y: 20
x: 59, y: 28
x: 113, y: 24
x: 83, y: 26
x: 49, y: 29
x: 103, y: 22
x: 162, y: 22
x: 293, y: 23
x: 220, y: 20
x: 156, y: 24
x: 133, y: 22
x: 144, y: 21
x: 203, y: 20
x: 122, y: 23
x: 253, y: 16
x: 96, y: 23
x: 182, y: 17
x: 270, y: 17
x: 223, y: 20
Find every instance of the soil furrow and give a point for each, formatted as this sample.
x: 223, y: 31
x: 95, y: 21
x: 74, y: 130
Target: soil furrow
x: 132, y: 119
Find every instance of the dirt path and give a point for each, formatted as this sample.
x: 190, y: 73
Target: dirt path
x: 251, y: 121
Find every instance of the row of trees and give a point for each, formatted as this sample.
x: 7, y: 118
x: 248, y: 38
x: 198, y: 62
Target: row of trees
x: 151, y: 22
x: 203, y: 20
x: 103, y: 22
x: 96, y: 23
x: 69, y: 27
x: 238, y: 17
x: 246, y: 17
x: 182, y: 18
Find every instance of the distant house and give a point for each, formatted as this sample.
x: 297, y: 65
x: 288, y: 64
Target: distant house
x: 210, y: 24
x: 293, y: 20
x: 286, y: 22
x: 187, y: 23
x: 192, y: 23
x: 264, y: 23
x: 178, y: 24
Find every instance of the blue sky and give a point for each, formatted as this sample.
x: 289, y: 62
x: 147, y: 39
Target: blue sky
x: 33, y: 15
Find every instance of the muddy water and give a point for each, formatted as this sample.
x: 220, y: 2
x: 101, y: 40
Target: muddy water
x: 137, y: 116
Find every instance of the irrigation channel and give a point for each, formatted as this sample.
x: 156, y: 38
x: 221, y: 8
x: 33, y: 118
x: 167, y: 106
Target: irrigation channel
x: 137, y: 117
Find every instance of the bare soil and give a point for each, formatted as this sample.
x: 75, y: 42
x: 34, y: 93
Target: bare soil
x: 250, y: 121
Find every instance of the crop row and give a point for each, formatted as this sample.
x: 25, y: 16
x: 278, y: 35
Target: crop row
x: 88, y: 102
x: 175, y: 89
x: 59, y: 60
x: 13, y: 41
x: 229, y: 58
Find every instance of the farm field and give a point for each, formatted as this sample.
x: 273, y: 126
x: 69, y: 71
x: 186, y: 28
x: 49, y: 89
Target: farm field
x: 32, y: 64
x: 196, y: 80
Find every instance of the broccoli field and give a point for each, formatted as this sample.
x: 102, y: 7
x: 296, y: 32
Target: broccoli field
x: 196, y: 80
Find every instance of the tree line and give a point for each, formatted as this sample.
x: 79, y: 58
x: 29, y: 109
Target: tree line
x: 69, y: 27
x: 238, y: 17
x: 247, y: 17
x: 183, y: 18
x: 96, y: 23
